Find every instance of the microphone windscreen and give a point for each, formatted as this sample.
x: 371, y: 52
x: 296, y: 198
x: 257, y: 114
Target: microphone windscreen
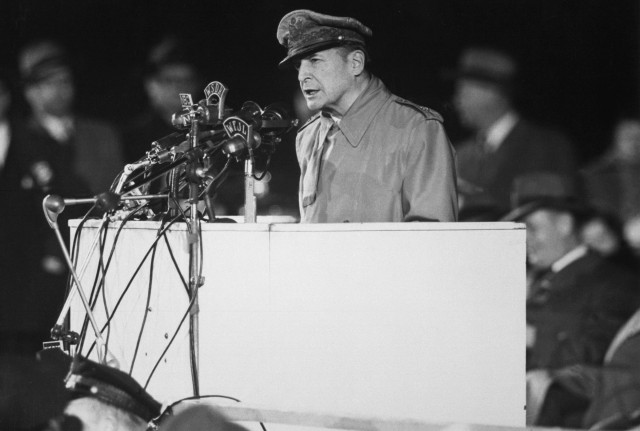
x: 107, y: 201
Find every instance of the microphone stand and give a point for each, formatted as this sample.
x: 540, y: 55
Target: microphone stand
x: 51, y: 211
x: 250, y: 213
x: 195, y: 278
x: 53, y: 206
x: 58, y: 329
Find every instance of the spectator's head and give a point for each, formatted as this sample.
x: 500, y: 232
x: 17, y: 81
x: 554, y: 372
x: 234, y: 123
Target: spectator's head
x: 553, y: 228
x: 551, y: 207
x: 104, y: 398
x: 603, y: 233
x: 46, y: 74
x: 172, y: 68
x: 626, y: 141
x: 484, y: 85
x: 330, y: 55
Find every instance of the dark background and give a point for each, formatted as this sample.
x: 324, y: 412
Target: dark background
x: 579, y: 58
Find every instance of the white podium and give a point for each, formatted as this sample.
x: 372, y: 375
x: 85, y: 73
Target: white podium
x: 420, y: 321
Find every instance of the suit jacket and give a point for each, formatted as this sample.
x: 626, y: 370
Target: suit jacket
x: 577, y: 311
x: 17, y: 219
x: 613, y: 389
x: 84, y: 166
x: 527, y: 148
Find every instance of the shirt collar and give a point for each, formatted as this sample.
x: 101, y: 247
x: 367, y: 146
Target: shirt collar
x: 569, y: 258
x: 500, y: 129
x: 360, y: 114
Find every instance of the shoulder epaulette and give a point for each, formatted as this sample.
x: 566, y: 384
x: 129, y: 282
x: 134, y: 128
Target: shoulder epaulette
x: 309, y: 121
x: 429, y: 114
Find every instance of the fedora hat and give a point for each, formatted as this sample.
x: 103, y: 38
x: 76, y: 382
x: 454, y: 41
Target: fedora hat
x: 545, y: 190
x: 486, y: 65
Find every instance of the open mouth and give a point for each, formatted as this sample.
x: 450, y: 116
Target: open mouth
x: 310, y: 92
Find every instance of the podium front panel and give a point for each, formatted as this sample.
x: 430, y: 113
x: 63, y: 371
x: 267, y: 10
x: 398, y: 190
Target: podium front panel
x: 421, y: 320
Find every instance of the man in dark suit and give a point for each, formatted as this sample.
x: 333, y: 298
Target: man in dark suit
x: 65, y: 153
x: 575, y: 309
x: 19, y: 319
x: 612, y: 391
x: 503, y: 144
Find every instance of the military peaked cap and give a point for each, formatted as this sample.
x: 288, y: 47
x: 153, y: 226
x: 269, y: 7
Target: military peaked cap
x: 304, y: 31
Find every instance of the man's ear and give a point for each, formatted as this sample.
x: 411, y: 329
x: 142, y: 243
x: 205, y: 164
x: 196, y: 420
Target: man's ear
x: 357, y: 60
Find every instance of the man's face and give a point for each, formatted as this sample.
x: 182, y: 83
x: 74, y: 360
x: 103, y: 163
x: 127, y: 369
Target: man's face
x: 165, y: 86
x: 326, y: 80
x: 53, y: 95
x: 474, y: 100
x: 547, y: 233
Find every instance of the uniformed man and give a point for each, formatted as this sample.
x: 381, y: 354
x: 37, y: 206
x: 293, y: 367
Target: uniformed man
x: 368, y: 155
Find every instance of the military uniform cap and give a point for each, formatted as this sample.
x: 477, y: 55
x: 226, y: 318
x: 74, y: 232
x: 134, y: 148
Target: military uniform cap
x: 110, y: 386
x: 304, y: 31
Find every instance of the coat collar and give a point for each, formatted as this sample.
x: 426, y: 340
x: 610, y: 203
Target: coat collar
x: 359, y: 116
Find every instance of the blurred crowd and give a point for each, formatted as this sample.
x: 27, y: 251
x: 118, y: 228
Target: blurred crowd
x: 583, y: 221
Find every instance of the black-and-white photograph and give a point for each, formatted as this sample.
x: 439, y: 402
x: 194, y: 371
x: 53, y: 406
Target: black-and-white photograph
x: 245, y: 215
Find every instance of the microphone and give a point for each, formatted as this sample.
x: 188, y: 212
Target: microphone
x: 181, y: 120
x: 52, y: 206
x: 236, y: 145
x: 273, y: 120
x: 177, y: 144
x: 242, y: 128
x: 106, y: 201
x: 208, y: 115
x: 203, y: 113
x: 276, y: 117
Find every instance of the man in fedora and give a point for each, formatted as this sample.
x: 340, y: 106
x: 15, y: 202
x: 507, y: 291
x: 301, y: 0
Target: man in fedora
x: 574, y: 310
x: 503, y: 144
x: 368, y: 155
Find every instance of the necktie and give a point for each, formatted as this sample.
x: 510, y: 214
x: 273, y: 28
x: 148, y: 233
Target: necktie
x: 540, y: 289
x: 312, y: 173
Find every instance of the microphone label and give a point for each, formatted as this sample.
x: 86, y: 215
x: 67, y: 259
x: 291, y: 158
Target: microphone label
x: 235, y: 126
x: 186, y: 101
x: 215, y: 92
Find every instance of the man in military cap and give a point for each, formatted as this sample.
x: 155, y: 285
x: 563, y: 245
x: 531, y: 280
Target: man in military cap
x: 368, y: 155
x: 105, y: 398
